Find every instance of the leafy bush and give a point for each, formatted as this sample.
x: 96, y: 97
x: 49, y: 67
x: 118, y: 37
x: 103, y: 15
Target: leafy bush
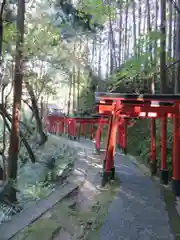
x: 139, y: 141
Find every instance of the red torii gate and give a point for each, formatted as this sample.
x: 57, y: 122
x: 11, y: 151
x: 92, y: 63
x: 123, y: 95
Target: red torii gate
x: 73, y: 126
x: 143, y: 106
x: 122, y: 132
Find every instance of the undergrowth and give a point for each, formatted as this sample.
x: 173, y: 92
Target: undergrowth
x: 139, y: 142
x: 36, y: 181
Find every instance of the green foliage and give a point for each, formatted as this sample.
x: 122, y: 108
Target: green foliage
x: 137, y: 65
x: 147, y: 40
x: 42, y: 85
x: 98, y: 9
x: 41, y: 38
x: 9, y: 38
x: 139, y: 141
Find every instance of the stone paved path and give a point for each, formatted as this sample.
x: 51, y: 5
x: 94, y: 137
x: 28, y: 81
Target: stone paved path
x: 139, y: 210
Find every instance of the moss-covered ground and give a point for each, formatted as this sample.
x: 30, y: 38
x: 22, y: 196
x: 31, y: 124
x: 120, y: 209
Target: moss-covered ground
x: 79, y: 224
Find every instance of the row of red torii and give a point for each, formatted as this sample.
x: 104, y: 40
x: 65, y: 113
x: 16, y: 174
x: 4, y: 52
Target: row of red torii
x: 117, y: 111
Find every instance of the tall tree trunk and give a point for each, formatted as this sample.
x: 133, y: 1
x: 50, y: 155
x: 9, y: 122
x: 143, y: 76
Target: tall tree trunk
x: 170, y: 33
x: 93, y: 52
x: 163, y: 80
x: 78, y: 88
x: 74, y: 87
x: 43, y: 136
x: 174, y: 48
x: 112, y: 40
x: 99, y: 57
x: 156, y: 29
x: 139, y: 24
x: 120, y: 34
x: 169, y: 47
x: 177, y: 52
x: 111, y: 54
x: 74, y: 83
x: 123, y: 38
x: 15, y: 127
x: 150, y: 46
x: 108, y: 67
x: 134, y: 27
x: 78, y: 79
x: 1, y: 25
x: 70, y: 93
x: 126, y: 30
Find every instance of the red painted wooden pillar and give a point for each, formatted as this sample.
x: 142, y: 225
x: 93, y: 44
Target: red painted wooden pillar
x: 109, y: 169
x: 79, y: 130
x: 124, y: 145
x: 120, y: 136
x: 66, y: 126
x: 176, y: 157
x: 98, y: 136
x: 57, y: 128
x: 164, y: 168
x: 91, y: 131
x: 84, y: 129
x: 50, y: 125
x: 62, y: 127
x: 120, y: 133
x: 69, y: 128
x: 53, y: 127
x: 74, y: 125
x: 153, y: 162
x: 111, y: 147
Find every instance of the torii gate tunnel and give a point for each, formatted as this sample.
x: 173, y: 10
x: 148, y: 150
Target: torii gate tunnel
x: 127, y: 106
x: 87, y: 127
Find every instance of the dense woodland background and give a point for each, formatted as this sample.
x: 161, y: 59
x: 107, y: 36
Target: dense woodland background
x: 63, y: 52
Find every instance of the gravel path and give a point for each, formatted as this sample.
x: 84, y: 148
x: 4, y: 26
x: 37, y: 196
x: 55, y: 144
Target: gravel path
x: 139, y: 210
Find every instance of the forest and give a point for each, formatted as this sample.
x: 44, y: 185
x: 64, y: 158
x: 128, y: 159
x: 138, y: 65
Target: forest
x: 84, y: 46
